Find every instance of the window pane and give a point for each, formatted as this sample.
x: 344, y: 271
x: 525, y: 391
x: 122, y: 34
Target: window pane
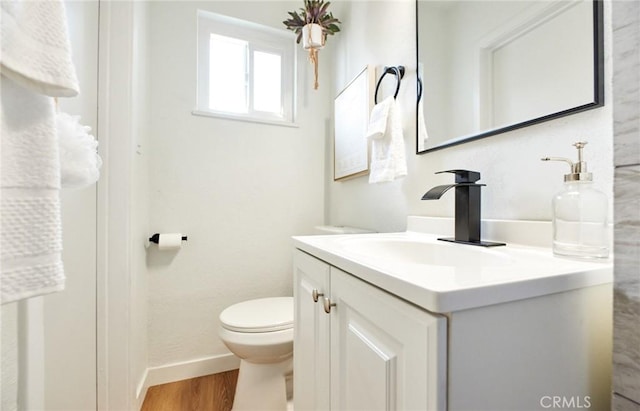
x: 267, y: 79
x: 227, y: 74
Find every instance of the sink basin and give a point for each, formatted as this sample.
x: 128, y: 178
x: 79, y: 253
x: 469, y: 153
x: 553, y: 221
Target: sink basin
x: 444, y: 277
x: 421, y: 251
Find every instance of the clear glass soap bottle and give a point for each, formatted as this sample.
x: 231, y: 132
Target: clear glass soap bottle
x: 579, y: 213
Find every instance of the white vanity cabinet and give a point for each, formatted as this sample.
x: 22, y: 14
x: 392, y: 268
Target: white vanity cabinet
x: 312, y: 334
x: 422, y: 324
x: 372, y: 351
x: 391, y: 343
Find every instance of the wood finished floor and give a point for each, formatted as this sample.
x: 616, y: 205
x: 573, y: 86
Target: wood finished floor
x: 209, y: 393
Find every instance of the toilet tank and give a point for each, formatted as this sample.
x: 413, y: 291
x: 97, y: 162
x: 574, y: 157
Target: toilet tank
x: 342, y: 229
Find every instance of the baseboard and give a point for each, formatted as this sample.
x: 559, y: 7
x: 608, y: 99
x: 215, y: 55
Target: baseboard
x: 141, y: 390
x: 185, y: 370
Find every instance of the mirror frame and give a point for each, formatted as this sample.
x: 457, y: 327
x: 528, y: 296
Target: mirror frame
x: 598, y: 87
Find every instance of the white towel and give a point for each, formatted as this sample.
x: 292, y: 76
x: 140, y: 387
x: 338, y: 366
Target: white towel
x: 379, y: 118
x: 422, y: 127
x: 35, y: 64
x: 35, y: 47
x: 30, y: 225
x: 388, y: 158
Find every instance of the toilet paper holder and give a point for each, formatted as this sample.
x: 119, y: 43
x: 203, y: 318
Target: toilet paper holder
x: 156, y: 237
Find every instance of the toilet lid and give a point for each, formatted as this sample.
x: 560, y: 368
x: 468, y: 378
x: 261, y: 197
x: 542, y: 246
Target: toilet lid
x: 261, y: 315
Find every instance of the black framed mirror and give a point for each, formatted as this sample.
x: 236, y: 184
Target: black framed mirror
x: 488, y: 67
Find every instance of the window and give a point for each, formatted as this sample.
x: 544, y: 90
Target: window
x: 245, y: 70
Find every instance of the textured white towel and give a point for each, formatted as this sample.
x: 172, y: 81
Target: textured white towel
x: 35, y: 64
x: 35, y: 47
x: 30, y: 229
x: 388, y: 158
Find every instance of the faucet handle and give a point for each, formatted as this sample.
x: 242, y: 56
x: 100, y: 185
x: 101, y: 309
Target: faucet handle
x: 463, y: 176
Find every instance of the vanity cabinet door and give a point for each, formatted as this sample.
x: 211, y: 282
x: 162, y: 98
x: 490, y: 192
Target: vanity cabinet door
x: 386, y: 354
x: 311, y: 341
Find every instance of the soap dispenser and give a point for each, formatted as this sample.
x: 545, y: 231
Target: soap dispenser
x: 579, y: 213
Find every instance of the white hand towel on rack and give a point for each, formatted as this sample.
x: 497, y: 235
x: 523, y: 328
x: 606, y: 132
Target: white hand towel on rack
x: 388, y: 159
x: 31, y: 234
x: 35, y: 47
x: 379, y: 118
x: 35, y: 65
x: 422, y: 127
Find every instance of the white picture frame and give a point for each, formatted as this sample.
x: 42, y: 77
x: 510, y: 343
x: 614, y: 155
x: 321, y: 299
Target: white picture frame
x: 352, y: 107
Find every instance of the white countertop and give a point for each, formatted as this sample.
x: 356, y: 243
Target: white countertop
x: 456, y: 276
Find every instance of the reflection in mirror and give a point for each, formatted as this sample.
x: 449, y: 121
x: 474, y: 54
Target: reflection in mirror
x: 486, y: 67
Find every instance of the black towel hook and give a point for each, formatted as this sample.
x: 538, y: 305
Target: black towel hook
x: 398, y: 71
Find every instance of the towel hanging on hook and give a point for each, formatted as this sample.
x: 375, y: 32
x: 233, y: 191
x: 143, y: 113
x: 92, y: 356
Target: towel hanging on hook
x: 398, y: 71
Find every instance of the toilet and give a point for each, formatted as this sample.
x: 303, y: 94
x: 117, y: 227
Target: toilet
x: 260, y: 333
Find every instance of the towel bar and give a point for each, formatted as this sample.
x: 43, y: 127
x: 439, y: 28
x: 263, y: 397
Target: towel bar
x: 398, y: 71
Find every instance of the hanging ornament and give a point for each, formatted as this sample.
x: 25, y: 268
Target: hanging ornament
x: 313, y: 24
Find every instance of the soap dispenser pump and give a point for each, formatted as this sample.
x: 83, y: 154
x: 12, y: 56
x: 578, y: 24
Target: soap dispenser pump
x: 579, y: 213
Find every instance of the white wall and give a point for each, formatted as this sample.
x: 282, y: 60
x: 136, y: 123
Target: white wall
x: 519, y: 185
x: 435, y: 44
x: 238, y: 190
x: 371, y: 36
x: 467, y: 25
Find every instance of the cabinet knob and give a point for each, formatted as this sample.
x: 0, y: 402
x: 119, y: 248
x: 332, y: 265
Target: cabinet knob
x: 316, y: 294
x: 327, y: 305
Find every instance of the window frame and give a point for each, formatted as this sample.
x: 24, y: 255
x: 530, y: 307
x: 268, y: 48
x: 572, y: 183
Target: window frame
x: 259, y: 38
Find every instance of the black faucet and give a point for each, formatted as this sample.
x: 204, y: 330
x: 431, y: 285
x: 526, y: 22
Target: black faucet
x: 467, y: 219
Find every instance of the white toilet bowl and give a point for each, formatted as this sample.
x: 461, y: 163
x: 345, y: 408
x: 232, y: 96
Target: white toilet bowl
x: 260, y: 332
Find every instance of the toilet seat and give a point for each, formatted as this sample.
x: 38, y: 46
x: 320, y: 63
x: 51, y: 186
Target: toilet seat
x: 259, y: 316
